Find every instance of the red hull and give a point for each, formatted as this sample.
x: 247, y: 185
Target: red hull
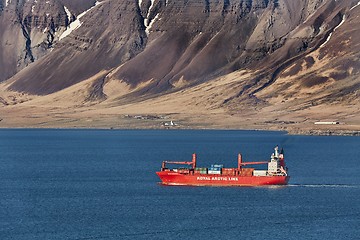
x: 174, y: 178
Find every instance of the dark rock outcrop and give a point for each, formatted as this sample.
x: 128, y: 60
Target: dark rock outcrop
x: 27, y: 30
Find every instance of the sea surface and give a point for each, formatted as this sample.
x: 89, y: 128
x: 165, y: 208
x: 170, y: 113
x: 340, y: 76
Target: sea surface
x: 101, y: 184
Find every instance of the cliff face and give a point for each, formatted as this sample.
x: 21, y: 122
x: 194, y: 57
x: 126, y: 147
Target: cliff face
x: 100, y: 38
x: 26, y: 33
x: 159, y: 46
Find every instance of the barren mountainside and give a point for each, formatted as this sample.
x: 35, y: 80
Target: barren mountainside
x: 264, y: 57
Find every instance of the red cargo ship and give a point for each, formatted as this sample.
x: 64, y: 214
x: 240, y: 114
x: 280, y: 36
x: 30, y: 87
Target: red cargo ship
x: 217, y: 175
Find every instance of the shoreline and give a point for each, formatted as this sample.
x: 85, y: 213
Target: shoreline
x: 311, y: 132
x: 148, y: 117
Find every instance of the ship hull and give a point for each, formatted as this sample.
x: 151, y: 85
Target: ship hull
x: 174, y: 178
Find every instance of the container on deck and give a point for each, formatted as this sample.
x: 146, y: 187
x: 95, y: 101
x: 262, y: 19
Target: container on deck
x: 217, y: 165
x: 215, y: 168
x: 260, y: 173
x: 247, y: 172
x: 183, y: 170
x: 228, y: 171
x: 200, y: 170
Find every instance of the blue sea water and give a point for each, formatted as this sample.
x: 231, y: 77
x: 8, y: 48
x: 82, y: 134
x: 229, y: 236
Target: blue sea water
x: 101, y: 184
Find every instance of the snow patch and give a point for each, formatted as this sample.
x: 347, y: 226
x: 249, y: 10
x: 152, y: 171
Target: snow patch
x: 147, y: 30
x: 33, y: 6
x: 77, y: 23
x: 147, y: 22
x: 151, y: 6
x: 328, y: 38
x: 7, y: 2
x: 73, y: 26
x: 358, y: 4
x: 140, y: 2
x: 68, y: 13
x: 341, y: 23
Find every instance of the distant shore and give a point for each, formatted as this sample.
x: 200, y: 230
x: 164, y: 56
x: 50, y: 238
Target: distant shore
x: 314, y: 132
x: 45, y: 114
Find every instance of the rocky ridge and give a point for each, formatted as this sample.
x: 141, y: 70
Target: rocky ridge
x: 296, y: 54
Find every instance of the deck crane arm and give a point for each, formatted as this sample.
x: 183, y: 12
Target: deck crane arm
x: 193, y: 162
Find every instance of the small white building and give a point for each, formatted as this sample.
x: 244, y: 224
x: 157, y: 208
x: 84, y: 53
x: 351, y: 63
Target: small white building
x: 326, y: 123
x: 170, y: 124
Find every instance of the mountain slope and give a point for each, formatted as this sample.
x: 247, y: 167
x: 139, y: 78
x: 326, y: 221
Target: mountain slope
x: 289, y: 57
